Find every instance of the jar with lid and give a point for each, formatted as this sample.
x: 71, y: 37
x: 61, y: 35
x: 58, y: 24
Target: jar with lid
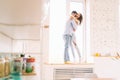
x: 30, y: 65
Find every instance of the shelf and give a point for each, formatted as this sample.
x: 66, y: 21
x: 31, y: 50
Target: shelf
x: 28, y: 74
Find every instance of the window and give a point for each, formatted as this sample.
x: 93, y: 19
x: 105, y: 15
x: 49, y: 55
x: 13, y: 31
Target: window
x: 58, y: 17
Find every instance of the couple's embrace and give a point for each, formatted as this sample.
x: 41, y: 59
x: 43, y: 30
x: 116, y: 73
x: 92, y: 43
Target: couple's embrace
x: 69, y: 36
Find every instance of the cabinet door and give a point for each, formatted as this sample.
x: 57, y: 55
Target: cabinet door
x: 32, y: 46
x: 26, y: 46
x: 5, y: 43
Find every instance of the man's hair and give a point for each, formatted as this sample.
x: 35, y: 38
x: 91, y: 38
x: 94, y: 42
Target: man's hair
x: 75, y: 12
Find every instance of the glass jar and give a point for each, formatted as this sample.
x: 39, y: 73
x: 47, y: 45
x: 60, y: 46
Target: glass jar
x: 17, y: 66
x: 2, y: 65
x: 30, y: 65
x: 7, y: 66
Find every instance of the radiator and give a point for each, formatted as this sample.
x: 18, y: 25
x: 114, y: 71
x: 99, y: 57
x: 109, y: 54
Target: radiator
x: 68, y: 73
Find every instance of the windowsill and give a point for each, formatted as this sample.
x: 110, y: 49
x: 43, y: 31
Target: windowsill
x: 86, y: 65
x: 69, y: 64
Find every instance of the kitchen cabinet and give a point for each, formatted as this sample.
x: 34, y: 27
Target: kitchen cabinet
x: 26, y: 46
x: 5, y: 43
x: 19, y: 39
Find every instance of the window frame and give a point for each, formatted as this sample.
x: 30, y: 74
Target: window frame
x: 86, y: 32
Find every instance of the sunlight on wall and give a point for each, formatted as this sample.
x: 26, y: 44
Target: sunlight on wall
x: 57, y: 23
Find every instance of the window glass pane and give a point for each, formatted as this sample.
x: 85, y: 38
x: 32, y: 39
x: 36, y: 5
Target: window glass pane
x: 77, y: 6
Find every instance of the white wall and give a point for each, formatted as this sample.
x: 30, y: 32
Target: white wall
x: 5, y: 43
x: 104, y: 26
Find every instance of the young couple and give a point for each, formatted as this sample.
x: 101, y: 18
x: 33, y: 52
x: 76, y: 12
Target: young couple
x: 69, y: 36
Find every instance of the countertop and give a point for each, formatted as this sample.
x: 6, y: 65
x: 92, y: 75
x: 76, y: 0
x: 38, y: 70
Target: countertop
x: 19, y: 77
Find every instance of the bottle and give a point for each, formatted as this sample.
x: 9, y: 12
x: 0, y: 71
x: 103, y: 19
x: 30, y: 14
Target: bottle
x: 7, y: 66
x: 23, y: 63
x: 2, y: 65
